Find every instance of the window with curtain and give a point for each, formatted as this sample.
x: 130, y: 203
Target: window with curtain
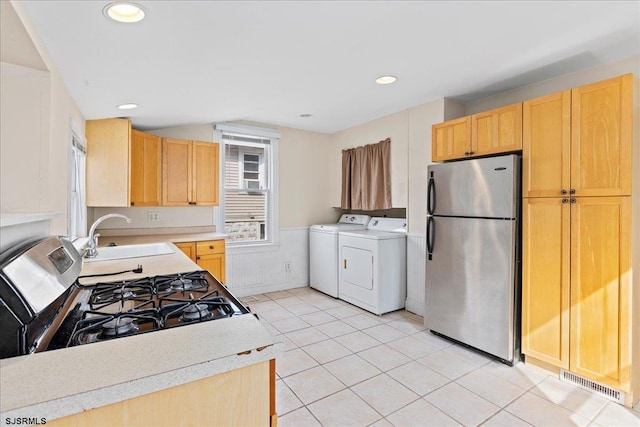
x: 77, y: 226
x: 366, y: 177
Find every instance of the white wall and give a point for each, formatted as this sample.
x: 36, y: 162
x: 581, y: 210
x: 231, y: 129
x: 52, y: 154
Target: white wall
x: 394, y: 126
x: 36, y: 135
x: 546, y: 87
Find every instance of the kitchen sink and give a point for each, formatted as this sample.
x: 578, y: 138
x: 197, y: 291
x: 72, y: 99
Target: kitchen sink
x: 131, y: 251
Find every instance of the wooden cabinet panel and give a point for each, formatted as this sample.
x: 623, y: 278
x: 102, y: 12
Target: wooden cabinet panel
x: 108, y: 167
x: 451, y: 139
x: 210, y: 247
x: 146, y: 169
x: 190, y: 173
x: 491, y: 132
x: 237, y: 398
x: 189, y: 249
x: 497, y: 131
x: 208, y: 254
x: 206, y: 157
x: 601, y: 134
x: 176, y: 172
x: 600, y: 290
x: 545, y: 280
x: 214, y: 264
x: 546, y: 149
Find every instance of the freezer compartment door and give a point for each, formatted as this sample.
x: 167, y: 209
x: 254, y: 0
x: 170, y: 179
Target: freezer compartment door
x: 475, y: 188
x: 470, y: 283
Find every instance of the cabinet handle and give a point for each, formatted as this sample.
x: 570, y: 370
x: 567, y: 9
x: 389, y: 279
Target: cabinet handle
x: 133, y: 203
x: 210, y: 246
x: 345, y: 264
x: 565, y: 200
x: 466, y: 153
x: 572, y: 191
x: 192, y: 203
x: 197, y: 258
x: 563, y: 191
x: 573, y: 200
x: 471, y: 153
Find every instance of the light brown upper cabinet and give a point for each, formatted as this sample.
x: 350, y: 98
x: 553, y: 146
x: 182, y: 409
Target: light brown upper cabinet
x: 108, y: 165
x: 146, y: 169
x: 546, y: 147
x: 123, y: 165
x: 190, y: 172
x: 497, y: 131
x: 451, y: 139
x: 482, y: 134
x: 601, y: 122
x: 578, y: 142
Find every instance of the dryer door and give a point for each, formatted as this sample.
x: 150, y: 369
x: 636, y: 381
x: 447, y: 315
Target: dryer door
x: 357, y: 267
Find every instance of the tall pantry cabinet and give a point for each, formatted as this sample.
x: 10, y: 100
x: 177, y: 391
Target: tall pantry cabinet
x: 580, y: 300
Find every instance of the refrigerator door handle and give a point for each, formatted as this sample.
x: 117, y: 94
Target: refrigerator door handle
x: 431, y: 235
x: 431, y: 196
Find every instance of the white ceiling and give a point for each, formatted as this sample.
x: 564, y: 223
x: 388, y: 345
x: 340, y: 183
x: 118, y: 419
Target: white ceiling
x: 270, y: 61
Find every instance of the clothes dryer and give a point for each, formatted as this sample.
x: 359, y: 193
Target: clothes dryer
x: 323, y: 251
x: 373, y: 265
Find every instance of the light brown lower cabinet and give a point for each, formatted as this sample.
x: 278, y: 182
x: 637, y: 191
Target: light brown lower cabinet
x: 209, y: 255
x: 242, y: 397
x: 577, y: 302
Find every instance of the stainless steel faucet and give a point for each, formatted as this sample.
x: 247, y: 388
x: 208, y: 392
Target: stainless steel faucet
x: 92, y: 244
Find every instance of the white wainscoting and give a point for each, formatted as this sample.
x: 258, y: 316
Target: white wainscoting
x: 416, y: 253
x: 258, y: 270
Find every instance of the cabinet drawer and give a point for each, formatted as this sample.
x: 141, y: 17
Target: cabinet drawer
x: 210, y: 247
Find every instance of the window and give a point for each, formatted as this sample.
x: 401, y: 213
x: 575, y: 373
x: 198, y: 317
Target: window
x: 77, y: 223
x: 250, y: 199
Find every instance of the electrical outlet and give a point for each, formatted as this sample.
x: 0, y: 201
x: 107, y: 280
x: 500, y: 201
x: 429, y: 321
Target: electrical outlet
x: 153, y: 216
x: 287, y: 266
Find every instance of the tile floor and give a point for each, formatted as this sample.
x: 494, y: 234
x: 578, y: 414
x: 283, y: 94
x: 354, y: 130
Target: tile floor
x: 343, y: 366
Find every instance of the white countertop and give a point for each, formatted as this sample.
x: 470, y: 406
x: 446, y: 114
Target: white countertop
x: 63, y: 382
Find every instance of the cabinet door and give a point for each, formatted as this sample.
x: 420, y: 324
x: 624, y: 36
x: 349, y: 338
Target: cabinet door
x: 108, y: 167
x: 215, y: 264
x: 546, y: 147
x: 176, y: 172
x: 497, y: 131
x: 189, y: 249
x: 545, y: 280
x: 206, y: 159
x: 601, y: 121
x: 146, y: 169
x: 451, y: 139
x: 600, y: 289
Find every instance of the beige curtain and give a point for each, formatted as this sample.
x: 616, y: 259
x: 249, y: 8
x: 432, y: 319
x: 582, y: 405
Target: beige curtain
x: 345, y: 202
x: 367, y: 170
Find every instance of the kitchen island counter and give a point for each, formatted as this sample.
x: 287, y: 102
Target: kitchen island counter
x: 58, y: 383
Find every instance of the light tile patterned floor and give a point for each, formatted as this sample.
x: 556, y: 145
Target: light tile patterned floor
x: 343, y: 366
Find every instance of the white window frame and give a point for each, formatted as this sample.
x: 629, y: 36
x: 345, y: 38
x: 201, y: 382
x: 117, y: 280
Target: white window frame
x: 77, y: 195
x: 271, y: 216
x: 260, y: 171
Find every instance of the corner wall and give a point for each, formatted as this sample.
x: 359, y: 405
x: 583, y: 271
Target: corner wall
x: 49, y: 112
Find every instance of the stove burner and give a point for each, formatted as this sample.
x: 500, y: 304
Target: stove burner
x: 182, y: 284
x: 118, y: 326
x: 195, y: 311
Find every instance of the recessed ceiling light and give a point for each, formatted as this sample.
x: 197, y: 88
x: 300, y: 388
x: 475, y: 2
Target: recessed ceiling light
x: 386, y: 80
x: 124, y: 12
x: 129, y: 106
x: 304, y: 116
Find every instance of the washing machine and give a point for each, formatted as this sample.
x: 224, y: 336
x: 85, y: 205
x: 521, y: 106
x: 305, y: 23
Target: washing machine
x: 373, y: 265
x: 323, y: 251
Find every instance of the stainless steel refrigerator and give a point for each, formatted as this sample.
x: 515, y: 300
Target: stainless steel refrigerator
x: 472, y: 267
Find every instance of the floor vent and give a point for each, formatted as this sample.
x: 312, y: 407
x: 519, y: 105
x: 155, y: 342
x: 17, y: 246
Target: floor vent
x: 602, y: 390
